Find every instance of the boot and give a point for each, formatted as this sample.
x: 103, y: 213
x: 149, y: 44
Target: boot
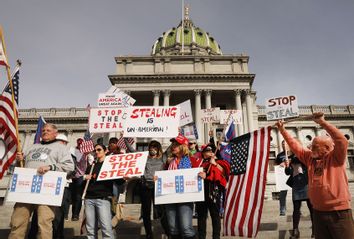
x: 295, y: 233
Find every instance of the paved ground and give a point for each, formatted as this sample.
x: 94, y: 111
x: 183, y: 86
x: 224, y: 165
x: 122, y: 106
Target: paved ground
x: 272, y: 225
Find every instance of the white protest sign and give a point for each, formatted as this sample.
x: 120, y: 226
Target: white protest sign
x: 186, y: 116
x: 236, y: 115
x: 211, y: 115
x: 280, y: 179
x: 119, y: 99
x: 152, y: 122
x: 177, y: 186
x: 123, y: 165
x: 103, y: 120
x: 282, y: 107
x: 27, y: 186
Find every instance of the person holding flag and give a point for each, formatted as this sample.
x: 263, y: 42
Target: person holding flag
x: 215, y: 174
x: 49, y: 155
x: 8, y: 122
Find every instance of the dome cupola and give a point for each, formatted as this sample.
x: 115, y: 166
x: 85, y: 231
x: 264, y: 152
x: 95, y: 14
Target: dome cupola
x: 186, y: 39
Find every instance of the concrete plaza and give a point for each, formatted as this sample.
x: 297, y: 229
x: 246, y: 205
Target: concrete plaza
x: 272, y: 225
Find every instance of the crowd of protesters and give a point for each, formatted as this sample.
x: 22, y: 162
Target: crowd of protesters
x: 317, y: 176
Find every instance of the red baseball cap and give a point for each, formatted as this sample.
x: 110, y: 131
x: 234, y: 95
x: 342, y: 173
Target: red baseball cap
x: 180, y: 139
x: 206, y: 147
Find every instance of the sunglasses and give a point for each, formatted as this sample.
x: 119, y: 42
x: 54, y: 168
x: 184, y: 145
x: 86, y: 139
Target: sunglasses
x: 191, y: 143
x: 98, y: 150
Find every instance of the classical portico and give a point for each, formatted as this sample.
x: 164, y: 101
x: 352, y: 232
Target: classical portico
x: 222, y: 82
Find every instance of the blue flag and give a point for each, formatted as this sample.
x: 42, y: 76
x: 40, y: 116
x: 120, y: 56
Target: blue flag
x: 230, y: 131
x: 225, y: 151
x: 37, y: 138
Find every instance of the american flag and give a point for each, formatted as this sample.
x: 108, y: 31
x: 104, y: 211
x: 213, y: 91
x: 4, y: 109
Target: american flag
x: 87, y: 145
x: 245, y: 189
x: 8, y: 135
x: 121, y: 143
x: 3, y: 60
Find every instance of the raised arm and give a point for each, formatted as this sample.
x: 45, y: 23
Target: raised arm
x: 340, y: 142
x: 294, y: 145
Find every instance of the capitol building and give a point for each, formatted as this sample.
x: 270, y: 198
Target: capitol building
x: 187, y: 63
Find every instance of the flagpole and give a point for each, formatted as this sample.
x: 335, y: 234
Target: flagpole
x: 182, y: 31
x: 306, y: 117
x: 12, y: 94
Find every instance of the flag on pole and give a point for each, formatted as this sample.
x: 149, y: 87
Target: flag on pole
x: 230, y: 130
x: 87, y: 145
x: 245, y: 189
x: 3, y: 60
x: 40, y: 124
x: 121, y: 143
x: 8, y: 135
x: 225, y: 151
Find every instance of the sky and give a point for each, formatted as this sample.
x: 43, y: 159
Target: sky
x: 301, y: 47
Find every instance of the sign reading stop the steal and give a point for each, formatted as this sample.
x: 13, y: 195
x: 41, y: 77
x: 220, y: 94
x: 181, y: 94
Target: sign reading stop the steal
x: 282, y: 107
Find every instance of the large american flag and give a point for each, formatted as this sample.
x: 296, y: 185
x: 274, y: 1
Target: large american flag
x: 245, y: 189
x: 8, y: 135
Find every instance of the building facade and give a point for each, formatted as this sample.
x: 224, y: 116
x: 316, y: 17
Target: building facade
x: 186, y: 63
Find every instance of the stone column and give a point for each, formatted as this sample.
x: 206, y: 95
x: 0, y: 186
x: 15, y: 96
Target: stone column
x: 249, y: 110
x: 166, y: 97
x: 156, y: 97
x: 27, y: 139
x: 197, y: 119
x: 166, y: 102
x: 239, y: 107
x: 207, y: 106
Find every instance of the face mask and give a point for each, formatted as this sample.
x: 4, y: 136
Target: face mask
x: 152, y: 152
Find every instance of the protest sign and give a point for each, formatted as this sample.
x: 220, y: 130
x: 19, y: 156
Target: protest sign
x: 103, y: 120
x: 280, y: 179
x: 119, y: 99
x: 211, y: 115
x: 186, y: 116
x: 190, y: 131
x: 123, y: 165
x: 152, y: 122
x: 282, y: 107
x: 177, y: 186
x: 27, y: 186
x: 236, y: 115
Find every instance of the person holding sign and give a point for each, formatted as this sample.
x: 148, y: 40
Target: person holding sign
x: 215, y: 174
x: 180, y: 215
x: 328, y: 183
x: 98, y: 198
x: 49, y: 155
x: 155, y: 162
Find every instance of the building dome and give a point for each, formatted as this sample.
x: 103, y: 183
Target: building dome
x: 195, y: 41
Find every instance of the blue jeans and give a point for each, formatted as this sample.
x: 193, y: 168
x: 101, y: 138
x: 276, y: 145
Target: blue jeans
x: 99, y: 209
x: 282, y: 201
x: 179, y: 217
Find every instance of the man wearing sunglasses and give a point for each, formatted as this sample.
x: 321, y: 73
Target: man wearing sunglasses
x: 52, y: 155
